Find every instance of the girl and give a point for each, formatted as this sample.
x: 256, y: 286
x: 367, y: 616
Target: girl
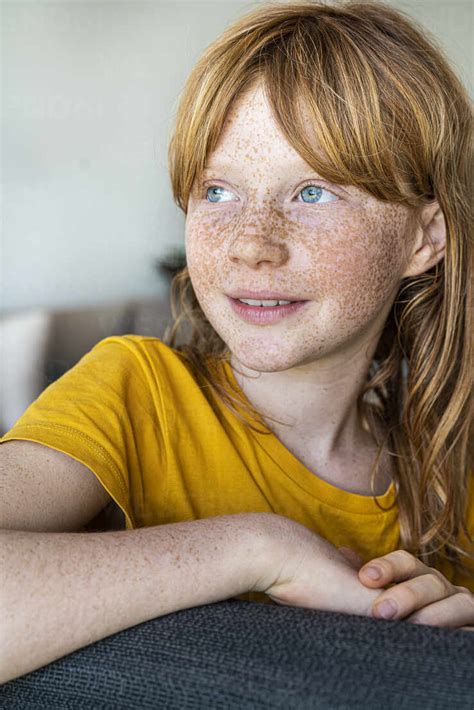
x: 308, y: 442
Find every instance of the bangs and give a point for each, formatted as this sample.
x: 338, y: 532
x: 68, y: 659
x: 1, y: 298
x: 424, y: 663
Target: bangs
x: 356, y: 90
x: 343, y: 111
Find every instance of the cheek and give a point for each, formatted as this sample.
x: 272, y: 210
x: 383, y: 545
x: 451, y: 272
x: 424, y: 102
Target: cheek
x: 363, y: 253
x: 203, y: 232
x: 204, y: 244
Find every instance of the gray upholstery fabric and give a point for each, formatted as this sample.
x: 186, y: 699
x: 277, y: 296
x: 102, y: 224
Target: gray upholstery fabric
x: 238, y: 654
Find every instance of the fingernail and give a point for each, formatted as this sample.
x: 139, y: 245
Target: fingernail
x: 372, y: 572
x: 386, y: 609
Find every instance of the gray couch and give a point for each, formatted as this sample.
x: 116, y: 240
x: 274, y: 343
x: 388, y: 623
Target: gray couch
x: 238, y: 655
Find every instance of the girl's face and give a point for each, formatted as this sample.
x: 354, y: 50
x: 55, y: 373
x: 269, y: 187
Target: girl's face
x: 254, y: 224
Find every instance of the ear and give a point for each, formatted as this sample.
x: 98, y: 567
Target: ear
x: 429, y: 243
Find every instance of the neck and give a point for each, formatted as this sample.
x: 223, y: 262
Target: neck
x: 316, y: 404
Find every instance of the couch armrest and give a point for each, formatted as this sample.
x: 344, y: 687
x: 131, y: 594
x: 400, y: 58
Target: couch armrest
x: 245, y: 655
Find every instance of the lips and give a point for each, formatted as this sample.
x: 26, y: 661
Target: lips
x: 267, y: 315
x: 265, y: 296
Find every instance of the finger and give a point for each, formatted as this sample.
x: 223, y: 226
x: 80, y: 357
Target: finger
x: 396, y: 566
x: 413, y: 594
x: 450, y: 612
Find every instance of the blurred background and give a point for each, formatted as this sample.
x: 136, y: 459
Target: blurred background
x: 90, y: 235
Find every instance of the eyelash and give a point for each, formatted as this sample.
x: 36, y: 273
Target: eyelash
x: 309, y: 183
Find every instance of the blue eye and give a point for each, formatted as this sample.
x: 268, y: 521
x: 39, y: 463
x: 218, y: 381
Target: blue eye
x: 316, y: 194
x: 213, y: 189
x: 315, y: 191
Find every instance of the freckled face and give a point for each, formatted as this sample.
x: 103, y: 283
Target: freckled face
x: 255, y: 226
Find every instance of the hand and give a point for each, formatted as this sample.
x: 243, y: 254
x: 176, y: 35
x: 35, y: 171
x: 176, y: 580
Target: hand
x: 424, y: 597
x: 301, y: 568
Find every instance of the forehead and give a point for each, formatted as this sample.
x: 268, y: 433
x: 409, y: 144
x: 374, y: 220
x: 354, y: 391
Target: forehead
x: 251, y: 132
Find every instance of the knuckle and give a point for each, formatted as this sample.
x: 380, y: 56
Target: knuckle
x: 439, y: 581
x: 407, y: 559
x: 413, y: 595
x: 416, y: 590
x: 405, y: 556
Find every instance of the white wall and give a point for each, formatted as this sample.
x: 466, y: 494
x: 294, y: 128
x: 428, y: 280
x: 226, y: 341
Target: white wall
x: 89, y: 94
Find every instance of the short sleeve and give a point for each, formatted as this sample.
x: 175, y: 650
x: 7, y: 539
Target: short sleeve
x: 103, y: 413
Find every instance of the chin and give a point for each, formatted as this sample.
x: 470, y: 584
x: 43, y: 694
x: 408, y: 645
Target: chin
x: 264, y: 351
x: 261, y: 365
x: 264, y: 359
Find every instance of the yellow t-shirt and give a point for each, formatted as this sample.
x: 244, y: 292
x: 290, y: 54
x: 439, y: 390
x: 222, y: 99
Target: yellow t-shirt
x: 168, y: 450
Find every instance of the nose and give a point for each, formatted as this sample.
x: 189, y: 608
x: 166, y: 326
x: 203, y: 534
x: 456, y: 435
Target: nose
x: 253, y: 247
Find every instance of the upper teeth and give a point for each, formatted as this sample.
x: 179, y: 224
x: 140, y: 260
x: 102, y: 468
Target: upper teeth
x: 252, y: 302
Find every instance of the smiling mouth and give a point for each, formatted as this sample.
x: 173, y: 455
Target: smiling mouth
x: 264, y: 298
x: 264, y: 303
x: 259, y: 314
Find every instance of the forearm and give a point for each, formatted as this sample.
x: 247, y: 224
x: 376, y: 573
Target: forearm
x: 63, y: 591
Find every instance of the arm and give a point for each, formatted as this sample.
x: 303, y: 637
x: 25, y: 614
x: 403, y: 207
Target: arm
x: 63, y: 591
